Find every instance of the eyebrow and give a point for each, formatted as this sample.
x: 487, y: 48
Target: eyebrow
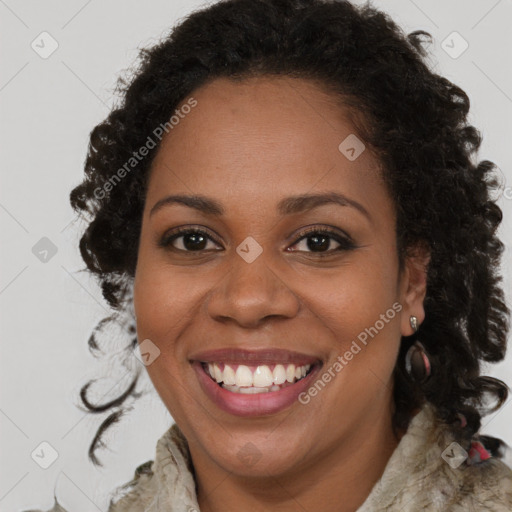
x: 287, y: 206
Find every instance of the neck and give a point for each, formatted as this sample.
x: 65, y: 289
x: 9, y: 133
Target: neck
x: 338, y: 480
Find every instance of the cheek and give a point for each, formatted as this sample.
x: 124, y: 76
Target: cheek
x: 359, y: 305
x: 352, y: 296
x: 162, y: 313
x: 161, y: 295
x: 168, y: 302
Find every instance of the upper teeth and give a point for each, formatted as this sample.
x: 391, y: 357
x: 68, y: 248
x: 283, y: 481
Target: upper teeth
x: 260, y: 376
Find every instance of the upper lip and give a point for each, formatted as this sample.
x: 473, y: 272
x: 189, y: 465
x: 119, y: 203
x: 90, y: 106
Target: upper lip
x: 260, y: 356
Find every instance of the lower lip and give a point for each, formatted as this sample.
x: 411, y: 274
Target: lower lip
x: 259, y: 404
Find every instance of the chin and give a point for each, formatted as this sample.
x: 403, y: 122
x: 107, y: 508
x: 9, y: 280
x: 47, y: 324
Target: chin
x: 253, y: 459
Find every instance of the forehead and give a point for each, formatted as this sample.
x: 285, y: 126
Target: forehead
x: 264, y: 137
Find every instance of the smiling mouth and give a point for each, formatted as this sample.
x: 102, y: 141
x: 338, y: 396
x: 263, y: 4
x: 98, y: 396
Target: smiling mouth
x: 244, y: 379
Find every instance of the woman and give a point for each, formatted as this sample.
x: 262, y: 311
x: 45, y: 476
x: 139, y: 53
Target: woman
x: 286, y: 202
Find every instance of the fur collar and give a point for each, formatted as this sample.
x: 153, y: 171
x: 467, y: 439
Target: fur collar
x: 423, y: 474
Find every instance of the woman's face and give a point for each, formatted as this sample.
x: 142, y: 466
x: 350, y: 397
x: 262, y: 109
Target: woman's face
x: 255, y: 298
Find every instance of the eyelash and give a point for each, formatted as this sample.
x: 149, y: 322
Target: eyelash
x: 346, y: 244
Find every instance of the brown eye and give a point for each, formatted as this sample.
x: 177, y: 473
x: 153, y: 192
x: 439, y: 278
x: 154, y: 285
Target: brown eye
x: 320, y: 241
x: 192, y: 240
x: 317, y: 241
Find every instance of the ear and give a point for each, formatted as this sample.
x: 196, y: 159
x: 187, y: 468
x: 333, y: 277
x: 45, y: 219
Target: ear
x: 414, y: 286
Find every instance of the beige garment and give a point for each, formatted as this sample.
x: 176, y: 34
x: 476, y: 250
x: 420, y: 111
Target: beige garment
x: 416, y: 477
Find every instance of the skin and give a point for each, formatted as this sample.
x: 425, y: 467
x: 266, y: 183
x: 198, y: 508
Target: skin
x: 248, y: 145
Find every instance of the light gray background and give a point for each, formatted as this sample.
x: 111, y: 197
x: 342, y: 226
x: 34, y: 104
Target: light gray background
x: 48, y: 107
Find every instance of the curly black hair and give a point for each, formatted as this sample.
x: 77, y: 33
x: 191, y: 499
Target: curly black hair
x: 414, y: 120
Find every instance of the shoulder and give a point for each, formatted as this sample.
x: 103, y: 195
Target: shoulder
x: 165, y: 483
x: 460, y: 475
x: 488, y: 486
x: 130, y: 496
x: 432, y: 470
x: 144, y: 490
x: 135, y: 493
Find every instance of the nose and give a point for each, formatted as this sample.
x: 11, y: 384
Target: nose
x: 250, y: 293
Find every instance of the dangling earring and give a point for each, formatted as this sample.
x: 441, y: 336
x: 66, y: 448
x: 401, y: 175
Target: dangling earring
x: 417, y: 363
